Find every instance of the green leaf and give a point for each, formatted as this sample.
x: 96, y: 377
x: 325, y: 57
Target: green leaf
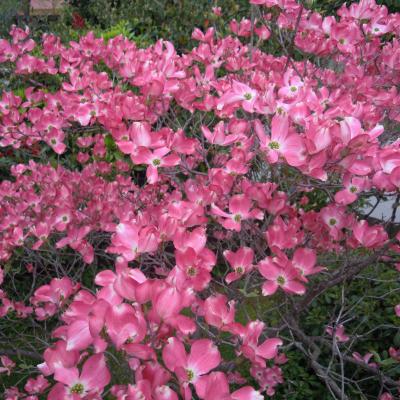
x: 376, y: 356
x: 251, y: 294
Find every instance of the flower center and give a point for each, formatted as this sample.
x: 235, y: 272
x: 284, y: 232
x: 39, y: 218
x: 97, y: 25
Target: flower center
x: 332, y: 221
x: 353, y: 189
x: 78, y: 388
x: 239, y: 270
x: 248, y: 96
x: 293, y: 88
x: 237, y: 217
x: 273, y: 145
x: 156, y: 162
x: 130, y: 339
x: 163, y: 236
x: 190, y: 374
x: 192, y: 271
x: 281, y: 280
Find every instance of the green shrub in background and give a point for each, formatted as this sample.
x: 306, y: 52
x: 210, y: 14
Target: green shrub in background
x: 174, y: 19
x: 149, y: 20
x: 10, y: 12
x: 143, y: 20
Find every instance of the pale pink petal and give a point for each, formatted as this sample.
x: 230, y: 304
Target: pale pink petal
x: 95, y: 374
x: 204, y: 356
x: 269, y: 288
x: 174, y: 354
x: 269, y: 349
x: 68, y: 376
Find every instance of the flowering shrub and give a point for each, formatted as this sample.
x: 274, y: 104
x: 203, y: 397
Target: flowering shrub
x: 166, y: 207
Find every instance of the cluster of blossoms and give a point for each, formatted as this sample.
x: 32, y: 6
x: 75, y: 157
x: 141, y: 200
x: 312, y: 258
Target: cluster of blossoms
x: 192, y: 181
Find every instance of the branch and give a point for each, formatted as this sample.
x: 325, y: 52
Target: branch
x: 316, y: 351
x: 346, y: 273
x: 291, y: 46
x: 382, y: 377
x: 24, y: 353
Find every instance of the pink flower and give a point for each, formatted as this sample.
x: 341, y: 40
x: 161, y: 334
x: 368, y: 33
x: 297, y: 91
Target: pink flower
x: 52, y: 296
x: 350, y: 128
x: 292, y: 88
x: 397, y: 310
x: 283, y: 235
x: 129, y: 240
x: 353, y: 186
x: 86, y: 319
x: 334, y: 218
x: 246, y: 393
x: 215, y: 386
x: 369, y: 236
x: 218, y: 312
x: 338, y: 331
x: 280, y: 273
x: 267, y: 378
x: 57, y: 356
x: 217, y: 11
x: 365, y: 359
x: 196, y: 270
x: 154, y: 159
x: 92, y: 380
x: 262, y: 32
x: 239, y: 207
x: 37, y: 385
x: 386, y: 396
x: 203, y: 357
x: 304, y: 260
x: 240, y: 261
x: 239, y: 93
x: 281, y: 144
x: 394, y: 353
x: 125, y: 323
x: 250, y: 348
x: 8, y: 365
x: 218, y: 136
x: 119, y: 285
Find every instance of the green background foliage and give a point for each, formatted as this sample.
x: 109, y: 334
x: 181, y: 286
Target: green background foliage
x: 146, y: 20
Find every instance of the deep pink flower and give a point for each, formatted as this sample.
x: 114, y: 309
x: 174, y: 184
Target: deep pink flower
x: 74, y: 385
x: 258, y: 353
x: 154, y: 159
x: 240, y: 209
x: 241, y: 262
x: 203, y: 357
x: 304, y: 260
x: 219, y: 312
x: 239, y: 93
x: 338, y: 331
x: 369, y: 236
x: 8, y: 365
x: 129, y: 240
x: 281, y: 143
x: 280, y: 273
